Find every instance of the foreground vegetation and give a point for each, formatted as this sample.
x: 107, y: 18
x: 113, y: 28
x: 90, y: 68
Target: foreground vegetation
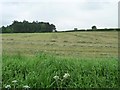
x: 66, y: 59
x: 39, y: 71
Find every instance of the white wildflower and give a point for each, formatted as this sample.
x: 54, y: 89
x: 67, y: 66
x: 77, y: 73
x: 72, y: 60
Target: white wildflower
x: 66, y: 75
x: 14, y: 81
x: 56, y: 77
x: 26, y: 86
x: 7, y: 86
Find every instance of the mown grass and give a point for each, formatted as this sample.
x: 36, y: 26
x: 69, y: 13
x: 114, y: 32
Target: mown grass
x: 90, y: 44
x: 38, y: 71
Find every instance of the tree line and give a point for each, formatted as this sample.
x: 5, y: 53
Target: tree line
x: 28, y: 27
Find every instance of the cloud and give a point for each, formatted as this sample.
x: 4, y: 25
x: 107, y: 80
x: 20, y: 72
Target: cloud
x: 65, y: 14
x: 92, y: 6
x: 64, y: 1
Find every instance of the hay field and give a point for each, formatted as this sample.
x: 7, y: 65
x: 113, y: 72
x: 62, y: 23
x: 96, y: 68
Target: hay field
x: 78, y: 44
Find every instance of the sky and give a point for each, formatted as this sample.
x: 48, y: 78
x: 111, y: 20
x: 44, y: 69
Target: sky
x: 64, y: 14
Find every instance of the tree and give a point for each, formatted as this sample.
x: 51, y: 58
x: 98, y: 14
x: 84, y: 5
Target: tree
x: 53, y: 28
x: 94, y: 27
x: 27, y: 27
x: 75, y: 29
x: 3, y: 29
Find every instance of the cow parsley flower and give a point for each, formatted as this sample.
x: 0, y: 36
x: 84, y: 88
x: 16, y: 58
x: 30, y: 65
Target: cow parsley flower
x: 56, y: 77
x: 66, y: 75
x: 26, y: 86
x: 7, y: 86
x: 14, y: 81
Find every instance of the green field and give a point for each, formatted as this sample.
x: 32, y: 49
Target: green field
x: 34, y: 59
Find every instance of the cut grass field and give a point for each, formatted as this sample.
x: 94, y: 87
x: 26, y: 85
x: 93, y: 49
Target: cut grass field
x: 81, y: 44
x: 90, y: 58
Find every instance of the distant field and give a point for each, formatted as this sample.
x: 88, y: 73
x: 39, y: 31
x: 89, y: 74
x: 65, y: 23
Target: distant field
x: 33, y: 59
x: 78, y: 44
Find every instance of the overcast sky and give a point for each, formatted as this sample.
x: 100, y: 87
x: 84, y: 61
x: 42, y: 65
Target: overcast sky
x: 64, y: 14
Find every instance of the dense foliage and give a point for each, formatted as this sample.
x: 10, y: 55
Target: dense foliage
x: 27, y: 27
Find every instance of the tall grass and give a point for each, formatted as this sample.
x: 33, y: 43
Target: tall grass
x: 38, y: 71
